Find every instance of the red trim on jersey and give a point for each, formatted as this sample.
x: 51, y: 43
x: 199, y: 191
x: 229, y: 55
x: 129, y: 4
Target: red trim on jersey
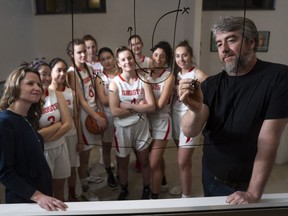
x: 191, y: 69
x: 116, y: 141
x: 105, y: 74
x: 167, y: 131
x: 85, y: 140
x: 122, y: 78
x: 162, y: 73
x: 143, y: 58
x: 46, y: 93
x: 188, y: 139
x: 63, y: 88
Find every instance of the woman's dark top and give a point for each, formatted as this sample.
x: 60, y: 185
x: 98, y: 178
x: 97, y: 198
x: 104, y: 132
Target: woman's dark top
x: 23, y: 167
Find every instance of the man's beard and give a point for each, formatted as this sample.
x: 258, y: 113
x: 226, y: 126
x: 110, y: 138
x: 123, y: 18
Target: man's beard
x: 238, y: 63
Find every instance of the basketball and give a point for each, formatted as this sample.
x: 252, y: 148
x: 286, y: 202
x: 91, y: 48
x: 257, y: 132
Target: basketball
x: 92, y: 125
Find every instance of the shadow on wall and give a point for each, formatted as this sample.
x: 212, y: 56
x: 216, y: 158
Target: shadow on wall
x: 1, y: 87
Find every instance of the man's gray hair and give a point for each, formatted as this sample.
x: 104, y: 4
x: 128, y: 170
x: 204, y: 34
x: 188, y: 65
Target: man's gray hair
x: 238, y: 24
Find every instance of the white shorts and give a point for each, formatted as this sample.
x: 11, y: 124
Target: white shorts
x: 58, y: 161
x: 108, y: 133
x: 90, y: 139
x: 136, y: 136
x: 184, y: 142
x: 161, y: 128
x: 72, y: 142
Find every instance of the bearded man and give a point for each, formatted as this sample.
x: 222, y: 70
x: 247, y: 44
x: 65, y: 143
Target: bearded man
x: 243, y: 111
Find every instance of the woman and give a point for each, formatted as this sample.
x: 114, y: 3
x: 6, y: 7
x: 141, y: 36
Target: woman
x: 92, y: 50
x: 136, y: 45
x: 55, y: 121
x: 129, y: 100
x: 162, y: 82
x: 80, y: 78
x: 187, y: 69
x: 103, y: 80
x: 26, y: 176
x: 143, y: 63
x: 74, y: 138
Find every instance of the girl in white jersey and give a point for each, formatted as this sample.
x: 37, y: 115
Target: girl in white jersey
x: 93, y: 61
x: 92, y: 57
x: 161, y: 124
x: 55, y: 122
x: 129, y: 100
x: 81, y: 80
x: 106, y: 57
x: 143, y: 63
x: 184, y: 60
x: 74, y: 138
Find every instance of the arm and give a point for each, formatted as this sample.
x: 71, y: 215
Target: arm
x: 100, y: 88
x: 102, y: 122
x: 114, y: 102
x: 167, y: 91
x: 148, y: 106
x: 47, y: 132
x: 10, y: 178
x: 200, y: 75
x: 66, y: 119
x: 77, y: 123
x: 268, y: 142
x: 194, y: 119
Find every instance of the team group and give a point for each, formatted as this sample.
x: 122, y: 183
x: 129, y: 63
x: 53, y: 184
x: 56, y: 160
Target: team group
x: 242, y: 112
x: 137, y: 94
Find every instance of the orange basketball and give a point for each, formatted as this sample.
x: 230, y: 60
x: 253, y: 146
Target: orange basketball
x: 92, y: 125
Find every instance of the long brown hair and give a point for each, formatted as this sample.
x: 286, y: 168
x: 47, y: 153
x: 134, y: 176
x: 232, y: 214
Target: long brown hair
x: 11, y: 93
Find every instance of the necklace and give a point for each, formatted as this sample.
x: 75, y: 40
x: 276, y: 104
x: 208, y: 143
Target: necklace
x: 32, y: 129
x: 14, y: 111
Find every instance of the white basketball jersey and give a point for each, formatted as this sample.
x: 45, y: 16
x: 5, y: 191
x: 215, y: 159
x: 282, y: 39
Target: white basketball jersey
x: 68, y: 95
x: 129, y: 93
x: 144, y: 62
x: 177, y: 104
x: 105, y: 81
x: 89, y: 90
x: 97, y: 67
x: 157, y: 87
x: 50, y: 115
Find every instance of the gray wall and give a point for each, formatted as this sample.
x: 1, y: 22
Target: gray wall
x: 274, y: 21
x: 16, y: 34
x: 25, y: 36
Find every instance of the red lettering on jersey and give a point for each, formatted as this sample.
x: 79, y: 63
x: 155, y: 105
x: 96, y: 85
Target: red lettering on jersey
x: 132, y: 92
x: 156, y: 87
x: 68, y: 102
x: 50, y: 108
x: 133, y: 101
x: 86, y: 80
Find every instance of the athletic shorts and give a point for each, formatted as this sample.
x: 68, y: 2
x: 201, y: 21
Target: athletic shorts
x: 161, y: 128
x: 136, y: 136
x: 108, y: 133
x: 184, y: 142
x: 72, y: 142
x: 90, y: 139
x: 58, y: 161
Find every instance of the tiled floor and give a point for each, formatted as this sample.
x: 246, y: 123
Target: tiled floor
x: 276, y: 184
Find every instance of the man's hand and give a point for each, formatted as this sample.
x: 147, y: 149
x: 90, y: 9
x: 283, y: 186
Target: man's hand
x: 241, y: 197
x: 190, y: 94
